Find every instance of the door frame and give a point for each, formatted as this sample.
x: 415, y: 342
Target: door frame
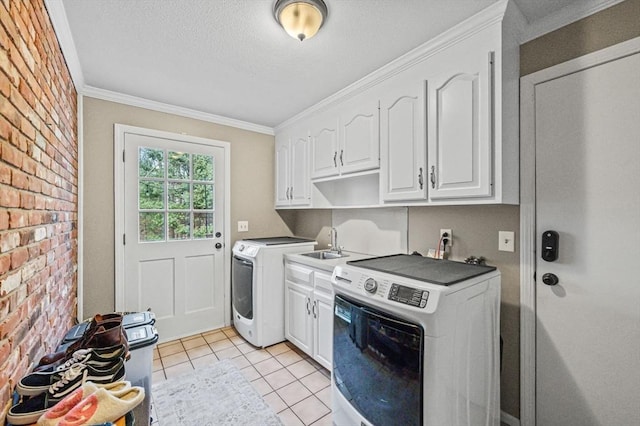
x: 528, y: 210
x: 119, y: 131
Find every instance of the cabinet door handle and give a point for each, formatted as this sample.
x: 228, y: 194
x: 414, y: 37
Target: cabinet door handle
x: 287, y: 195
x: 308, y: 310
x: 335, y: 156
x: 420, y: 179
x: 432, y: 177
x: 314, y: 310
x: 341, y: 152
x: 291, y: 193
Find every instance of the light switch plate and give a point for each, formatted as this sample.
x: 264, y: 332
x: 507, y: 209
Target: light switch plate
x: 243, y: 226
x: 506, y: 241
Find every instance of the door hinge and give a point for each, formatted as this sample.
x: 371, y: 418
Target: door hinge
x: 124, y: 239
x: 123, y: 155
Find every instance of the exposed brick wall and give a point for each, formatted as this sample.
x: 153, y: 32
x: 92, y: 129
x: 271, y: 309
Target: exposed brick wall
x: 38, y: 191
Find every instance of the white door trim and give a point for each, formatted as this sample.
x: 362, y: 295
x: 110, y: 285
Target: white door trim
x: 118, y: 176
x: 528, y: 206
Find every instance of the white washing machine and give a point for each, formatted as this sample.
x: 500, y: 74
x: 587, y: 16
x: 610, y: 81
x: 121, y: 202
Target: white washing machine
x: 416, y: 342
x: 257, y: 286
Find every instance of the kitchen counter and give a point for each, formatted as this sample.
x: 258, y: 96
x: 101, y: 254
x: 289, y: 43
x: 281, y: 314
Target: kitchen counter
x: 326, y: 264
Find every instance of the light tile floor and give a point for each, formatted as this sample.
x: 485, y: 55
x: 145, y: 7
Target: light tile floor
x: 294, y: 385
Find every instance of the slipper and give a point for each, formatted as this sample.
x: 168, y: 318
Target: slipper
x: 53, y: 415
x: 103, y: 406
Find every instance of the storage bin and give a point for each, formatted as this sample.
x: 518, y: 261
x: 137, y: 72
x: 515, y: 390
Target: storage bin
x: 139, y: 368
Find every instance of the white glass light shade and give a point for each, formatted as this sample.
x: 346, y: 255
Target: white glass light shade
x: 300, y: 19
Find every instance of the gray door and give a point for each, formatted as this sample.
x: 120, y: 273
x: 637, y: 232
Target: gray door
x: 587, y: 128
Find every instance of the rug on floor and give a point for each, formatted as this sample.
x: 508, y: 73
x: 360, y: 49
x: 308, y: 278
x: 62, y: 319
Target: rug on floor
x: 217, y: 394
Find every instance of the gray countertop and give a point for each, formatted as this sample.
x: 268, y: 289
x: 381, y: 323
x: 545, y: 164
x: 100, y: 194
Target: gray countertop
x: 325, y: 264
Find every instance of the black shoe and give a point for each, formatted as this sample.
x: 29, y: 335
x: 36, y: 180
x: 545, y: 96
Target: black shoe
x: 60, y: 383
x: 96, y: 357
x: 29, y: 411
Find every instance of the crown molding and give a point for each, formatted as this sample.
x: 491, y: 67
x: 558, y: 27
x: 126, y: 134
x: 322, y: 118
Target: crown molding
x: 463, y: 30
x: 565, y: 16
x: 58, y: 17
x: 121, y: 98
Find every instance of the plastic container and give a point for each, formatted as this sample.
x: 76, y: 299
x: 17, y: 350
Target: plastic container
x: 139, y: 368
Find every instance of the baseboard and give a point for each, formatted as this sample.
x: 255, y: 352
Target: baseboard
x: 508, y: 419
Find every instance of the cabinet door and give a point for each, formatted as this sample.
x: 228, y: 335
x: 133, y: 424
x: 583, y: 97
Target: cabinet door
x: 299, y: 192
x: 323, y: 322
x: 282, y: 172
x: 324, y: 146
x: 360, y: 138
x: 460, y: 124
x: 298, y: 323
x: 403, y: 142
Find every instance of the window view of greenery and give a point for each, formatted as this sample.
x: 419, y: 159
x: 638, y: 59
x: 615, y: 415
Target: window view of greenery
x: 175, y: 195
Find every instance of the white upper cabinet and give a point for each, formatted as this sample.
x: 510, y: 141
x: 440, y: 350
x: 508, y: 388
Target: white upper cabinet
x: 359, y: 137
x: 324, y: 146
x: 346, y: 139
x: 292, y: 170
x: 403, y: 141
x: 459, y: 126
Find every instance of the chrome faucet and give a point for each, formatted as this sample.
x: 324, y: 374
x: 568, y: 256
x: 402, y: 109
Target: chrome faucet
x: 334, y: 241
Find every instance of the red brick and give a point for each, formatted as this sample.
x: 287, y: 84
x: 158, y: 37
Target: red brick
x: 5, y: 350
x: 9, y: 197
x: 18, y: 219
x: 5, y: 265
x: 12, y: 156
x: 4, y: 220
x: 5, y: 174
x: 27, y: 201
x: 19, y: 257
x: 19, y: 180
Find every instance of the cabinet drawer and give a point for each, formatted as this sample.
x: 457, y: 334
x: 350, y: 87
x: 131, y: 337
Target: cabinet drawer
x: 322, y: 283
x: 298, y: 274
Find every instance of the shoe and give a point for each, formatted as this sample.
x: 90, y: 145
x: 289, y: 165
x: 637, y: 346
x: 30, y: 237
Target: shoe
x: 29, y: 410
x: 97, y: 357
x: 101, y: 333
x: 60, y: 383
x: 103, y: 406
x: 52, y: 416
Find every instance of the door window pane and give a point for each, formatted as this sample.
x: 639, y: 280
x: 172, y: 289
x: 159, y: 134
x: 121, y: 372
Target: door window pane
x: 203, y: 226
x: 202, y: 196
x: 151, y: 195
x: 179, y: 196
x: 150, y: 162
x: 179, y: 165
x: 202, y: 167
x: 151, y: 226
x: 179, y: 226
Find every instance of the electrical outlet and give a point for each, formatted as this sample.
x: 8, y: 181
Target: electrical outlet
x: 243, y: 226
x: 506, y: 241
x: 449, y: 236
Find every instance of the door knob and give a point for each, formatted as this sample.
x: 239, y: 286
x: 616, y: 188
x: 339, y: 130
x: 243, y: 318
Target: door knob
x: 218, y: 245
x: 550, y: 279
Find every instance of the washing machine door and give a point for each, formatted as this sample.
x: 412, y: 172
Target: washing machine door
x: 242, y: 286
x: 377, y: 363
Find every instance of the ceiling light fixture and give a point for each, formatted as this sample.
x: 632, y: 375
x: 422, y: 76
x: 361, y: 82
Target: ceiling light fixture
x: 301, y: 19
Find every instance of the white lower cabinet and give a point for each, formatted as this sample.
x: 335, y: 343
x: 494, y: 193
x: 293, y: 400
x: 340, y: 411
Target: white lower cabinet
x: 309, y: 311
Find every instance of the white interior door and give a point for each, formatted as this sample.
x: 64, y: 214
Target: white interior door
x: 587, y: 142
x: 173, y: 210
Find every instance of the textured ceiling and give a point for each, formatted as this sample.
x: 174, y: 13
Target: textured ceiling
x: 230, y: 57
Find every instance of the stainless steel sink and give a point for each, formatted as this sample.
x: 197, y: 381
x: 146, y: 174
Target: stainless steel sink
x: 325, y: 255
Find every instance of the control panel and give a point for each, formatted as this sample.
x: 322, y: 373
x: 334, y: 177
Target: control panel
x: 408, y: 295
